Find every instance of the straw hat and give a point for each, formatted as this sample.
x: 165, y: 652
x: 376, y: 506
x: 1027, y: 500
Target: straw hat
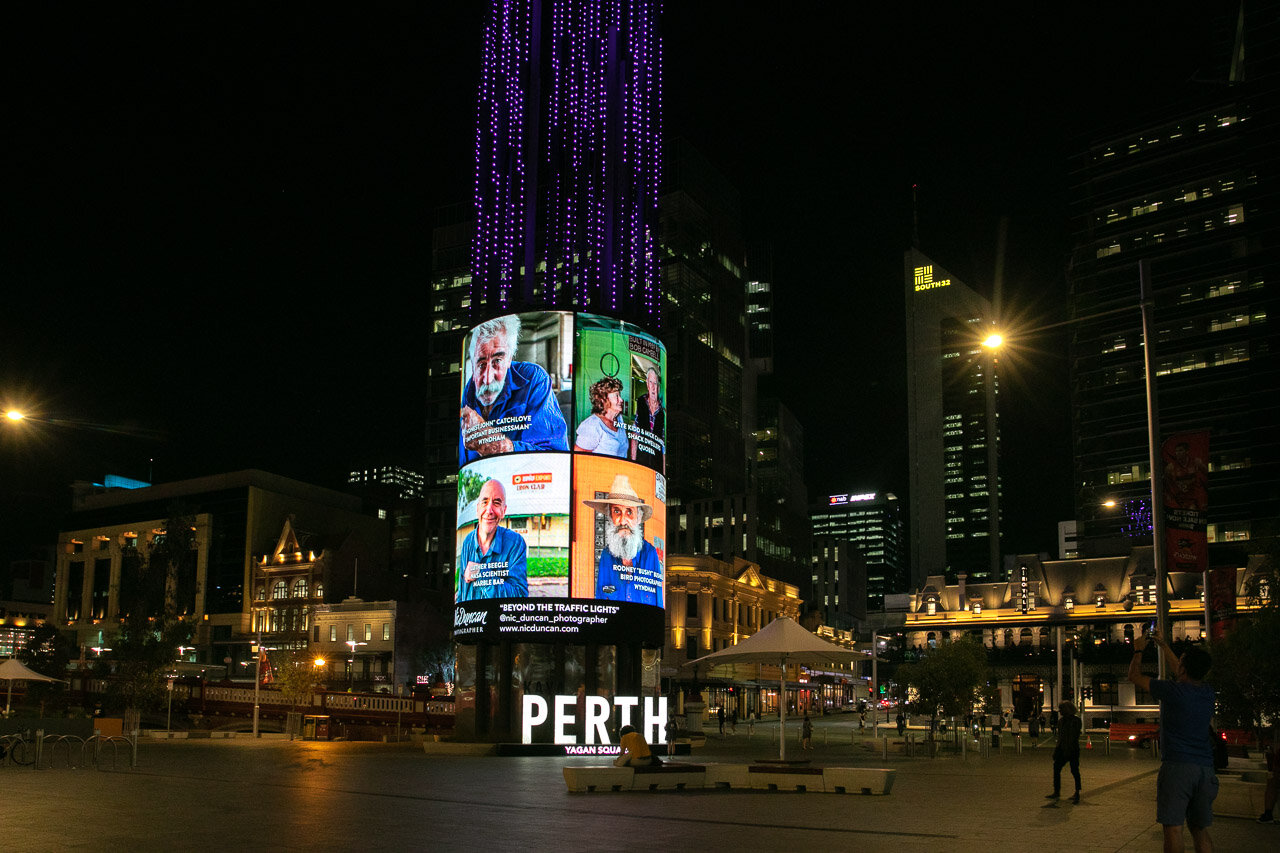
x: 621, y: 494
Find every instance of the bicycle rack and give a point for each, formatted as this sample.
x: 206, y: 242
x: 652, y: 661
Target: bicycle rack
x: 50, y: 744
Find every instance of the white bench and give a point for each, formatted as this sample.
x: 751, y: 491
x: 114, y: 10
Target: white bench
x: 669, y: 777
x: 854, y: 780
x: 733, y: 776
x: 783, y: 778
x: 583, y: 779
x: 767, y: 777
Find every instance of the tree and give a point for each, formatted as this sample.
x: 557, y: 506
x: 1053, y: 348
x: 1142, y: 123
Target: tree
x: 1246, y: 661
x: 294, y: 674
x: 946, y: 679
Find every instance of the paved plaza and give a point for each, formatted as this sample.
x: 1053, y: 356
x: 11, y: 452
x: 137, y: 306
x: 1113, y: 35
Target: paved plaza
x: 272, y: 794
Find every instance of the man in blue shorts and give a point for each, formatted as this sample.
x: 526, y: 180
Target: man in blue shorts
x: 507, y: 405
x: 1187, y: 784
x: 493, y: 560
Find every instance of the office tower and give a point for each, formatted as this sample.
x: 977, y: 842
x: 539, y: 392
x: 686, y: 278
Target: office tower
x: 703, y: 265
x: 871, y: 522
x: 837, y: 583
x: 1189, y: 188
x: 450, y: 308
x: 952, y: 427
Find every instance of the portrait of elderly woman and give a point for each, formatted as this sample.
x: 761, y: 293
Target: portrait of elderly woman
x: 603, y: 431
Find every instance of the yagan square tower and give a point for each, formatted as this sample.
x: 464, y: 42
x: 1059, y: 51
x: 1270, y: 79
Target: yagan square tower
x: 559, y: 580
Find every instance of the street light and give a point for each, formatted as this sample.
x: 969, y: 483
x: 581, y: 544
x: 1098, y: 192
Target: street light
x: 14, y: 415
x: 1145, y: 302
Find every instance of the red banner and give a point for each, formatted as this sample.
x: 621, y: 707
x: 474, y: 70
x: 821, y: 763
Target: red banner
x: 1220, y: 592
x: 1186, y: 501
x: 264, y: 667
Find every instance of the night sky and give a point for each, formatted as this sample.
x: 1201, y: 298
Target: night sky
x: 218, y: 242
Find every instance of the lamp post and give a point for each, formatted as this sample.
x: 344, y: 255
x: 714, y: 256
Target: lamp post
x: 1145, y: 305
x: 257, y: 681
x: 875, y: 674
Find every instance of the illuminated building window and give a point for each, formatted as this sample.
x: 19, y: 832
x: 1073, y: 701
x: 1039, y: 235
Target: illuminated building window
x: 280, y: 590
x: 333, y: 633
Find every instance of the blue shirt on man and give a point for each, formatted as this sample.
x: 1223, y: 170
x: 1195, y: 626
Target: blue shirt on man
x: 640, y: 582
x: 1186, y: 712
x: 526, y: 399
x: 502, y: 572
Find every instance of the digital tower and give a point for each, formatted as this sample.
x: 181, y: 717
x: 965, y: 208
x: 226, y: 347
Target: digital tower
x: 559, y: 580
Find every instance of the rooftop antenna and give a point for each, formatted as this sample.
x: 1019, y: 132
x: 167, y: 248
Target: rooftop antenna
x: 915, y: 218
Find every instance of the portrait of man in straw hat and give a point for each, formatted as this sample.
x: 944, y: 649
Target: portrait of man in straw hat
x: 630, y: 568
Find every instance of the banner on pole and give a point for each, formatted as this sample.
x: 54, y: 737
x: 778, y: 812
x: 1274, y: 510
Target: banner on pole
x: 1186, y: 500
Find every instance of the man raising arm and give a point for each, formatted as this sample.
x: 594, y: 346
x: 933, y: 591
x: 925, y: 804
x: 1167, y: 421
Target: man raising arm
x: 1187, y: 785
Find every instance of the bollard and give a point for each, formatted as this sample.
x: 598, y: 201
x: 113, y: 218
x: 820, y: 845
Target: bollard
x: 1017, y: 744
x: 39, y: 746
x: 963, y: 754
x: 884, y: 749
x: 133, y: 759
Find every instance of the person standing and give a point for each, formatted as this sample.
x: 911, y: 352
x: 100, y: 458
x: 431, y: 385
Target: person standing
x: 720, y: 717
x: 1067, y: 751
x: 1187, y: 784
x: 806, y: 733
x: 902, y: 723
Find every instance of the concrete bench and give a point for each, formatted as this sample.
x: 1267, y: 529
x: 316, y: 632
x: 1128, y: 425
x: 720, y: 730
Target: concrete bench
x: 1237, y: 798
x: 855, y: 780
x: 780, y: 777
x: 668, y: 776
x: 734, y: 776
x: 609, y: 778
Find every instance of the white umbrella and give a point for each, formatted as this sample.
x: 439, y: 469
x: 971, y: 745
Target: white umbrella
x: 12, y: 670
x: 782, y: 641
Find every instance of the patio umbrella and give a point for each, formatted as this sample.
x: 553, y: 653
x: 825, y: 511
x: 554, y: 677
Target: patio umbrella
x: 12, y: 670
x: 781, y: 642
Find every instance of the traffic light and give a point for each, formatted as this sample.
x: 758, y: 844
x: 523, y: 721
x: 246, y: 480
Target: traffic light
x: 884, y: 688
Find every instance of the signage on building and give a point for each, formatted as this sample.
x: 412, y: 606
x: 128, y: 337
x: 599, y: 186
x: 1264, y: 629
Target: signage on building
x: 582, y: 723
x: 923, y: 279
x: 549, y: 548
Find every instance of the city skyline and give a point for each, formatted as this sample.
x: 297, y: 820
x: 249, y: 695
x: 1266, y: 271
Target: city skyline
x: 225, y: 240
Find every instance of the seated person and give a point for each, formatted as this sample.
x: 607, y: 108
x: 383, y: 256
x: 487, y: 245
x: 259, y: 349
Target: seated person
x: 635, y: 752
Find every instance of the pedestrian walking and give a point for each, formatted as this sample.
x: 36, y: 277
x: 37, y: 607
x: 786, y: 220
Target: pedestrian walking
x: 1067, y: 751
x: 1187, y: 784
x: 733, y: 721
x: 1053, y: 720
x: 902, y: 724
x: 806, y: 733
x: 720, y: 717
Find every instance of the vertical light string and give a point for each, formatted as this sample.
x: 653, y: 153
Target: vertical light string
x: 600, y: 157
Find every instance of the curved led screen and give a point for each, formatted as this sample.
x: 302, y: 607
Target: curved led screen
x: 561, y: 492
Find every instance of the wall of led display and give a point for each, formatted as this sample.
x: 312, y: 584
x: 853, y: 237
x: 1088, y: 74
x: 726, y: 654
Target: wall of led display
x: 562, y: 524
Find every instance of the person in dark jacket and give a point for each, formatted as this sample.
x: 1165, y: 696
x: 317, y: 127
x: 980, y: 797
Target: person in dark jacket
x: 1068, y: 750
